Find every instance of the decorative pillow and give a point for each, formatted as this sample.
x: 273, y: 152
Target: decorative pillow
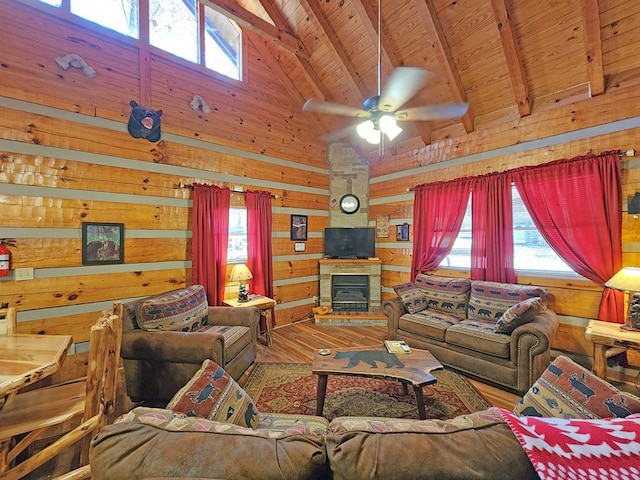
x: 213, y: 394
x: 411, y: 297
x: 446, y: 294
x: 184, y: 309
x: 567, y: 390
x: 519, y: 314
x: 489, y: 300
x: 569, y: 449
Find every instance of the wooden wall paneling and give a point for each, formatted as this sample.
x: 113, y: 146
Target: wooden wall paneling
x: 315, y: 223
x: 34, y: 40
x: 586, y: 113
x: 91, y: 287
x: 287, y: 316
x: 289, y: 269
x: 395, y: 256
x: 284, y: 246
x: 45, y: 252
x: 78, y: 326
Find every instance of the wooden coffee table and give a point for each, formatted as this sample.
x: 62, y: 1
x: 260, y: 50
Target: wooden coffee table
x: 409, y: 368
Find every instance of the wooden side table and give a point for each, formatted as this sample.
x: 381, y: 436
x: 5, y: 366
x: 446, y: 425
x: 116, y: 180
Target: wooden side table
x: 609, y: 340
x: 262, y: 303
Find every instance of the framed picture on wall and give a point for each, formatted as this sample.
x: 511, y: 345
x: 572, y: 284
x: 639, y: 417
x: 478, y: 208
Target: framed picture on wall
x: 298, y: 227
x: 382, y: 226
x: 102, y: 243
x: 402, y: 232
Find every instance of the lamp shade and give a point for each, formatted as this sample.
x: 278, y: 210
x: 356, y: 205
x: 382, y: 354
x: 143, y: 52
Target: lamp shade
x: 627, y: 279
x: 240, y: 273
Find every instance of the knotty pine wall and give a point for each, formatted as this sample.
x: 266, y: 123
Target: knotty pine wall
x: 607, y: 122
x: 66, y: 158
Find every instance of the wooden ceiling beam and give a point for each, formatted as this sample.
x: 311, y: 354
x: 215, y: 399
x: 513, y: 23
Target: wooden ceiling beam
x: 429, y: 17
x: 514, y: 63
x: 256, y: 24
x: 330, y: 40
x: 593, y: 43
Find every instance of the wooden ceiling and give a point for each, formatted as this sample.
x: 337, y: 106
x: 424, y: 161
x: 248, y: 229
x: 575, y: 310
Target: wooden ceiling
x: 506, y: 58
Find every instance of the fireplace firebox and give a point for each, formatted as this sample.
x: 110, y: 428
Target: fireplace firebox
x: 350, y: 293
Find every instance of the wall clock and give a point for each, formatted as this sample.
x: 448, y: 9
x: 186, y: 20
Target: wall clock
x: 349, y: 203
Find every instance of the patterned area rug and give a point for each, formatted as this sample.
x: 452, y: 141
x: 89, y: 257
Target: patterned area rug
x: 291, y: 388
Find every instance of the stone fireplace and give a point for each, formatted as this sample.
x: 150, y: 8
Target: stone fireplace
x: 351, y: 285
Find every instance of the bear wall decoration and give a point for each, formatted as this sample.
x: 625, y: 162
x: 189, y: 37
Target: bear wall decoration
x: 144, y: 122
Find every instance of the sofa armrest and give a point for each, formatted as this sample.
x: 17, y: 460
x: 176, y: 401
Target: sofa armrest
x: 393, y: 309
x: 543, y: 327
x: 172, y: 346
x: 236, y: 316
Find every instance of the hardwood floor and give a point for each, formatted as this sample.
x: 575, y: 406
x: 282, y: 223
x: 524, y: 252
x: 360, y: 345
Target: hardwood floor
x: 295, y: 344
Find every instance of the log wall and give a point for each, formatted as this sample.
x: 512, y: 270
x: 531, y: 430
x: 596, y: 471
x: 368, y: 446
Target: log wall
x: 66, y: 158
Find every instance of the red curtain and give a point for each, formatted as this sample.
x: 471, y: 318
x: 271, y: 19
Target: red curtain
x: 492, y: 229
x: 259, y: 252
x: 210, y: 226
x: 438, y: 211
x: 576, y: 205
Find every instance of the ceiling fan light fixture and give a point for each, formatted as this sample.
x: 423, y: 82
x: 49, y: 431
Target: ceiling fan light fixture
x: 368, y: 131
x: 389, y: 126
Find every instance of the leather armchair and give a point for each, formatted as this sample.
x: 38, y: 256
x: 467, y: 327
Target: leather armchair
x: 157, y: 363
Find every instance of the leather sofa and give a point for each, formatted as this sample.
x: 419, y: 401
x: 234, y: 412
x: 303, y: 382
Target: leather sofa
x: 166, y: 338
x: 152, y: 443
x: 455, y: 319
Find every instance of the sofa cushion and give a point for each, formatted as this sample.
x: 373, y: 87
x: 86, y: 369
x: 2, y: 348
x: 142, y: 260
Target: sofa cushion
x: 489, y: 300
x: 384, y: 448
x: 480, y: 336
x: 184, y: 310
x: 149, y: 442
x: 567, y: 390
x: 519, y: 314
x: 449, y: 295
x: 411, y: 296
x: 213, y: 394
x: 428, y: 323
x: 575, y: 448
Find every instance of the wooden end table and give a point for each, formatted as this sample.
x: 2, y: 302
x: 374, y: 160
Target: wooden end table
x: 262, y: 303
x: 609, y: 340
x: 409, y: 368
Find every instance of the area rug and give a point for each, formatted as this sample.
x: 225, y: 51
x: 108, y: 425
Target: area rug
x: 291, y: 388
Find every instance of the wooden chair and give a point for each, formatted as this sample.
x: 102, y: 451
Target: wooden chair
x: 8, y: 321
x: 32, y: 414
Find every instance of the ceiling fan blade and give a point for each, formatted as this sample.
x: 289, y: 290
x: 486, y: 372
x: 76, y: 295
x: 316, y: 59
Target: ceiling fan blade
x: 332, y: 108
x: 340, y: 134
x: 432, y: 112
x: 402, y: 84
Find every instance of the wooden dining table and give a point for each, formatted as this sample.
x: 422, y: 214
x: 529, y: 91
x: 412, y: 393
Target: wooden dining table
x: 27, y: 358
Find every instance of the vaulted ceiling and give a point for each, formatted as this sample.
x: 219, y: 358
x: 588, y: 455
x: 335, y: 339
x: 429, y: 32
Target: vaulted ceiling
x: 506, y: 58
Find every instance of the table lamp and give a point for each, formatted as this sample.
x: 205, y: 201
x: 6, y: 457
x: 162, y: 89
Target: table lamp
x: 628, y: 280
x: 240, y: 273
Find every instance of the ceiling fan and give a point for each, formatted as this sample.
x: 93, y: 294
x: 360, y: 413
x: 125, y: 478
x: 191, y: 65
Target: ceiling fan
x: 382, y: 111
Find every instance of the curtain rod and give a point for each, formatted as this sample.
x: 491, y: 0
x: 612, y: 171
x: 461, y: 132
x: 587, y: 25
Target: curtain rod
x: 627, y: 153
x: 241, y: 192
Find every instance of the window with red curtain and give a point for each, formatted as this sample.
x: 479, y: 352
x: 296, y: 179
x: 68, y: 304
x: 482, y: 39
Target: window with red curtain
x: 438, y: 211
x: 210, y: 237
x: 576, y: 205
x: 492, y: 229
x: 259, y: 251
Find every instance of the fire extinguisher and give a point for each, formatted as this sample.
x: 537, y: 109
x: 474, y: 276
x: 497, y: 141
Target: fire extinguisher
x: 5, y: 256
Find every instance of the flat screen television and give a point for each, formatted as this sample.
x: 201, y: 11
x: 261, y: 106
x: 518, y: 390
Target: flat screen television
x: 357, y: 242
